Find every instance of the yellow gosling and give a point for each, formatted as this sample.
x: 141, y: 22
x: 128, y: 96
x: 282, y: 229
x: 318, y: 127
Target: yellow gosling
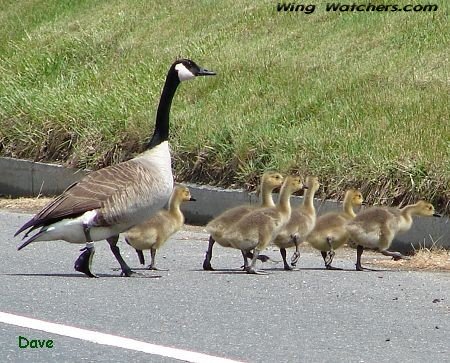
x: 376, y: 227
x: 216, y: 227
x: 330, y: 233
x: 154, y: 232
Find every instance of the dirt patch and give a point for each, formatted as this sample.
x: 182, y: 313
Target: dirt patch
x: 423, y: 260
x: 25, y: 205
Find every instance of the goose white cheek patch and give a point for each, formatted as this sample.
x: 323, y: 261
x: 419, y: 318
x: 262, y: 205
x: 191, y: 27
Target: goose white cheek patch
x: 184, y: 74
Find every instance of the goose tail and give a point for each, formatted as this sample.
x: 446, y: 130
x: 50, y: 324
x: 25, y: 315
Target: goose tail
x: 30, y: 240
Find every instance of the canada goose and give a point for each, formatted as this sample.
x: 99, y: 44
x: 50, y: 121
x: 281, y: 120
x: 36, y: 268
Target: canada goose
x: 111, y: 200
x: 258, y: 228
x: 330, y: 233
x: 216, y: 227
x: 155, y: 231
x: 302, y: 221
x: 376, y: 227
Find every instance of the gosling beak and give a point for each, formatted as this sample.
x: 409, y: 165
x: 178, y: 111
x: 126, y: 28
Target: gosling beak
x: 437, y: 215
x: 205, y: 72
x: 192, y: 200
x: 305, y: 187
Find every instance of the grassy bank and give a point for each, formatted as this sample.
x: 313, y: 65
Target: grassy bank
x: 359, y: 99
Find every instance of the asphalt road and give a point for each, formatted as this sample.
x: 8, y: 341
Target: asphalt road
x: 309, y: 315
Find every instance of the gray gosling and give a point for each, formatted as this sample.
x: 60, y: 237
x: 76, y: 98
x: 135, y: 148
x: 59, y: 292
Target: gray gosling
x: 257, y: 229
x: 330, y: 233
x: 154, y: 232
x: 217, y: 227
x: 376, y: 227
x: 301, y: 223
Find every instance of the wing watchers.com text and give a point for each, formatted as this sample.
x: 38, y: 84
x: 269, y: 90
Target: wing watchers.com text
x: 340, y: 7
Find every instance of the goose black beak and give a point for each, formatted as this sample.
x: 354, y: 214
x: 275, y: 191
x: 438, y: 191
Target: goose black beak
x: 437, y: 215
x: 305, y: 187
x: 205, y: 72
x: 192, y: 200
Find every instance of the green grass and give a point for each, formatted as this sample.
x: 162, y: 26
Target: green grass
x: 359, y: 99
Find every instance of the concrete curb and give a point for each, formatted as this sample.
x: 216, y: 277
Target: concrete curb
x: 27, y: 178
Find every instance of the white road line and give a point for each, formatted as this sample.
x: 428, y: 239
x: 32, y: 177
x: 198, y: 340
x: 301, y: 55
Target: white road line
x: 112, y: 340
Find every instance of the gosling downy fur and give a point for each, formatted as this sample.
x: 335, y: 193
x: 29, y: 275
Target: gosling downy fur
x: 257, y: 229
x: 302, y: 221
x: 217, y: 227
x: 330, y: 233
x: 154, y: 232
x: 376, y: 227
x: 111, y: 200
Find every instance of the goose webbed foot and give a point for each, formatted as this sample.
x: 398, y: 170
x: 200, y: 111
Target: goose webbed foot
x: 126, y: 270
x: 84, y: 261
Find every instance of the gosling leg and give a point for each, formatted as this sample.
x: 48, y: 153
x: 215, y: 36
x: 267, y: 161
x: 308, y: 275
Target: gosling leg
x: 251, y: 269
x: 328, y: 259
x: 152, y: 265
x: 296, y: 254
x: 141, y: 257
x: 207, y: 262
x: 283, y: 256
x: 245, y: 257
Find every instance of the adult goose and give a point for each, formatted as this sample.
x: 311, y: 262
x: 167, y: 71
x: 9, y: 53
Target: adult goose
x: 111, y: 200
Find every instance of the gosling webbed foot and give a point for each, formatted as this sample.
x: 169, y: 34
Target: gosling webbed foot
x: 395, y: 255
x: 262, y: 258
x: 329, y: 267
x: 253, y: 271
x: 154, y: 268
x: 361, y: 268
x: 84, y: 261
x: 294, y: 258
x: 129, y: 273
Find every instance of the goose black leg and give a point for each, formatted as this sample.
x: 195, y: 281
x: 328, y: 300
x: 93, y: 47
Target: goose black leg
x: 84, y: 261
x: 207, y: 262
x: 126, y: 271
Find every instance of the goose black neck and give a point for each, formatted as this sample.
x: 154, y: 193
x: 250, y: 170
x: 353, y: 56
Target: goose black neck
x: 161, y: 132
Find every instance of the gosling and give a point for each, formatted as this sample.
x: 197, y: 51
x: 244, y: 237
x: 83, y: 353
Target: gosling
x: 153, y: 233
x: 216, y: 227
x: 257, y: 229
x: 376, y: 227
x: 330, y: 233
x: 301, y: 223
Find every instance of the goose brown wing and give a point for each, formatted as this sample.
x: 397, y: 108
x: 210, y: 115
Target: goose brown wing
x: 89, y: 193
